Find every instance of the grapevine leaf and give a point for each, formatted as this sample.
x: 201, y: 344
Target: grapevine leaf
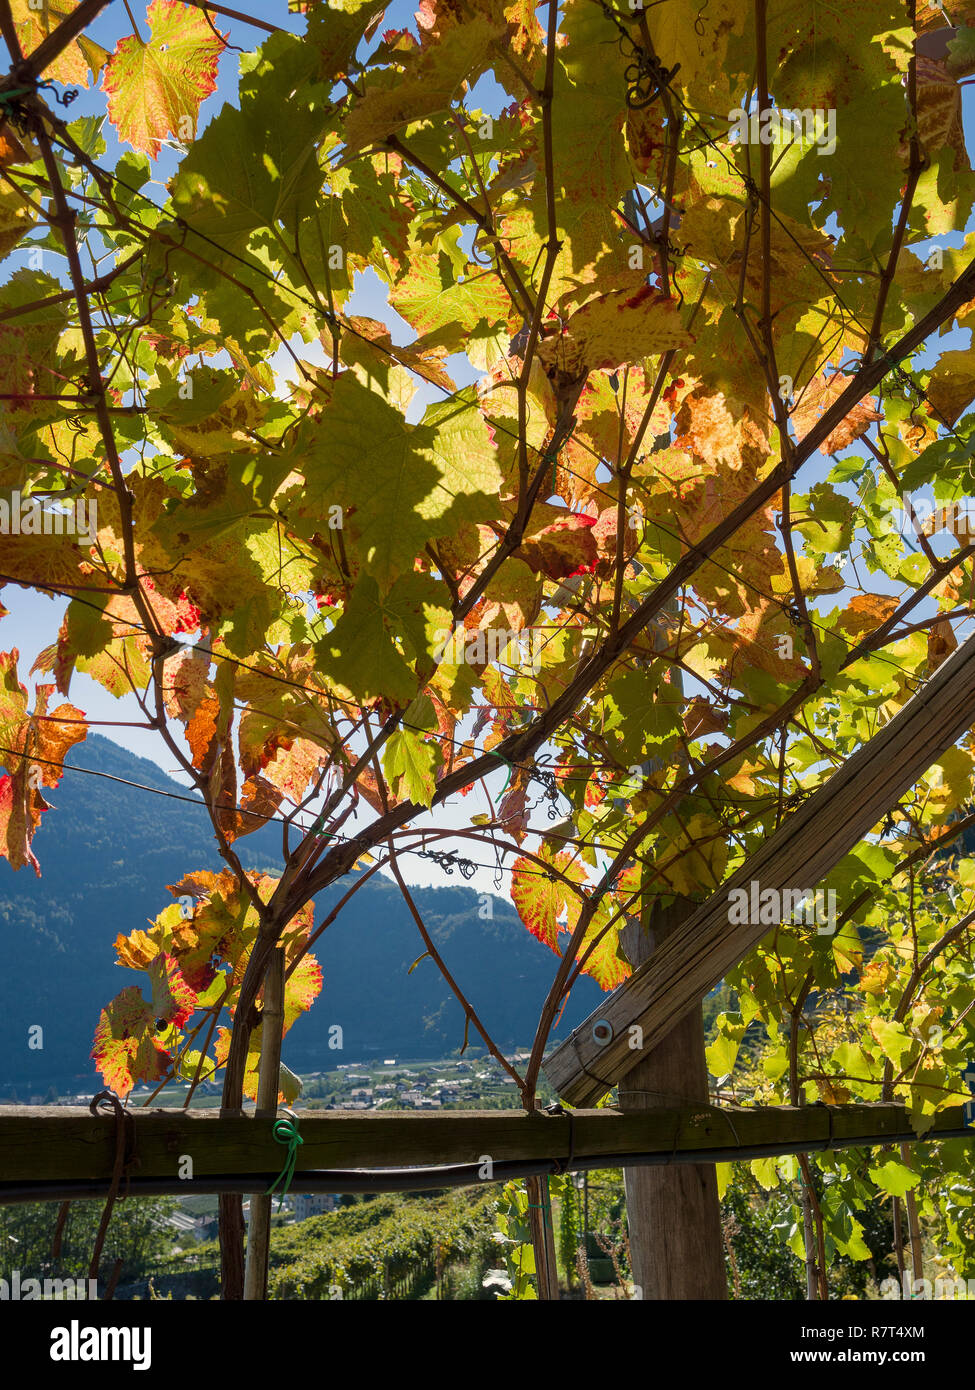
x: 125, y: 1049
x: 156, y: 88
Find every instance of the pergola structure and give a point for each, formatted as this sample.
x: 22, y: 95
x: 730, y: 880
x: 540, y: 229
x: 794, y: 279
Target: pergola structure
x: 665, y: 1132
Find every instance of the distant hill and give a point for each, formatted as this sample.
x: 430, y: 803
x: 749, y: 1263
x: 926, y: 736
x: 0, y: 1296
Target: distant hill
x: 107, y: 852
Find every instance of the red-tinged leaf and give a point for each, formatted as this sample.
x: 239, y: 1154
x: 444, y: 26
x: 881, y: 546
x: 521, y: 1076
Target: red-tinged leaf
x: 260, y: 741
x: 603, y: 964
x: 55, y: 734
x: 605, y: 535
x: 13, y: 703
x: 184, y: 683
x: 541, y: 901
x: 196, y: 947
x: 221, y: 928
x: 155, y: 89
x: 563, y: 548
x: 20, y: 814
x: 513, y: 811
x: 291, y: 769
x: 301, y: 989
x: 368, y: 788
x: 125, y: 1049
x: 172, y: 998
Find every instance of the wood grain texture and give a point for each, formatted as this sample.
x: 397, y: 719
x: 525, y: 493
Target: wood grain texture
x: 46, y: 1143
x: 672, y: 1213
x: 799, y: 855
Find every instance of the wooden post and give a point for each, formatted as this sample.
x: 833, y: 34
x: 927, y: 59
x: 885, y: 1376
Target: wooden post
x: 673, y: 1213
x: 543, y: 1238
x: 268, y: 1086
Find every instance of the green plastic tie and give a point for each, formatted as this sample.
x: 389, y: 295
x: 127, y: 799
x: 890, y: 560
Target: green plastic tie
x: 510, y: 771
x: 7, y: 97
x: 286, y: 1132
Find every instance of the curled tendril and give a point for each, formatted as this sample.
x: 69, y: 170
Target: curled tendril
x: 448, y: 860
x: 699, y: 20
x: 64, y: 98
x: 476, y: 255
x: 645, y: 77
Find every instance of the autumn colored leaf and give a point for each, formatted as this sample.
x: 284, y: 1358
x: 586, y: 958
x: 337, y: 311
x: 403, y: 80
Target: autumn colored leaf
x: 138, y: 950
x: 302, y: 987
x: 425, y: 85
x: 701, y: 718
x: 615, y: 328
x: 172, y: 998
x: 562, y: 548
x: 599, y: 952
x: 35, y: 22
x: 20, y: 812
x: 33, y: 746
x: 185, y: 682
x: 865, y: 612
x: 259, y: 800
x: 155, y: 88
x: 125, y: 1049
x: 817, y: 397
x: 55, y: 734
x: 290, y: 1085
x: 941, y: 643
x: 545, y: 905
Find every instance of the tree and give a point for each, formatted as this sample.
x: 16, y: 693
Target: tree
x: 669, y: 268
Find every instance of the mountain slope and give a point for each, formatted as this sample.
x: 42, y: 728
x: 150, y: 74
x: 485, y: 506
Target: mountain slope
x: 107, y: 852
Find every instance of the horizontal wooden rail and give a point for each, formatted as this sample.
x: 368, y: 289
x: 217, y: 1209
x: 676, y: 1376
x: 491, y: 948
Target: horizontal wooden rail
x: 50, y: 1144
x: 699, y: 953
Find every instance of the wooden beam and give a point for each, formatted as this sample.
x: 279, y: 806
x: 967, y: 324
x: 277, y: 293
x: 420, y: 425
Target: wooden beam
x: 799, y: 855
x: 50, y: 1142
x: 673, y: 1214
